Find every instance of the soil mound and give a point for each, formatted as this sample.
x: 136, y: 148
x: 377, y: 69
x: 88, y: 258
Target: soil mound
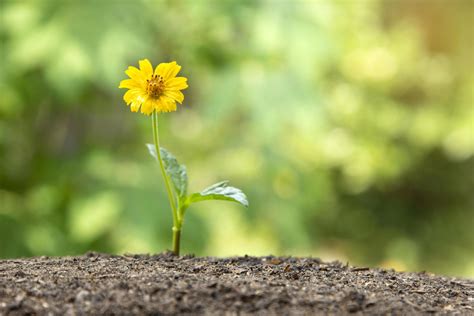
x: 100, y: 284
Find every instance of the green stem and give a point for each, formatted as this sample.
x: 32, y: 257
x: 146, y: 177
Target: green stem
x: 176, y: 240
x: 176, y: 219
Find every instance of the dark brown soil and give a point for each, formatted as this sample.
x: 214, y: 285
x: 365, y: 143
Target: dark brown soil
x: 98, y: 284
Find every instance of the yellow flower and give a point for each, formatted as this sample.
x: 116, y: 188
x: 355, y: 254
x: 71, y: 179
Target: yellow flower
x: 157, y: 90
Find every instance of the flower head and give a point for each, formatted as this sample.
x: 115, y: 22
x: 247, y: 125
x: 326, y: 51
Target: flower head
x: 157, y: 90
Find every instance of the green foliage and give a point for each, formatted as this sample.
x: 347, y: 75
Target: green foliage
x: 219, y: 191
x: 175, y: 171
x: 179, y: 202
x: 355, y: 145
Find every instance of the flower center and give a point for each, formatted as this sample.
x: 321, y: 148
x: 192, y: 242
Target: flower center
x: 155, y: 86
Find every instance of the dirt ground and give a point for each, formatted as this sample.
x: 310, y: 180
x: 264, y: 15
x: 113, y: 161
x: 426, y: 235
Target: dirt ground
x: 99, y: 284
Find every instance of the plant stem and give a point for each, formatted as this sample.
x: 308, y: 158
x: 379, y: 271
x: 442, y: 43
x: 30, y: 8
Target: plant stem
x: 176, y: 240
x: 176, y: 219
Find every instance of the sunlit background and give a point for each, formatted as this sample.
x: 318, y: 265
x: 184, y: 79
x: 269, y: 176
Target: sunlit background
x: 349, y: 124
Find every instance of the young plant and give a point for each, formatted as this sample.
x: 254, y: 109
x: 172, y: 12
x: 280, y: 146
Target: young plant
x: 155, y: 91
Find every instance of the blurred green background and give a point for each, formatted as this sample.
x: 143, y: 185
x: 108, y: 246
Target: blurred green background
x: 349, y: 124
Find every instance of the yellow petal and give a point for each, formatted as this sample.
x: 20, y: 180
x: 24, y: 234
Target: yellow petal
x: 177, y: 83
x: 159, y: 106
x: 131, y: 95
x: 172, y: 106
x: 167, y: 70
x: 129, y: 84
x: 148, y: 106
x: 146, y: 67
x: 134, y: 95
x: 166, y: 104
x: 175, y: 95
x: 135, y: 106
x: 136, y: 74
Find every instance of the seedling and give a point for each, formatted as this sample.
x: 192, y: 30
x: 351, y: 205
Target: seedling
x: 154, y: 92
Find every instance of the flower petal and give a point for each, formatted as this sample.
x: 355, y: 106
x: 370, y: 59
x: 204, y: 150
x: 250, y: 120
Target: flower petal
x: 175, y: 95
x: 135, y: 74
x: 165, y: 104
x: 168, y: 70
x: 148, y: 106
x: 131, y: 95
x: 130, y: 84
x: 134, y: 96
x: 170, y: 104
x: 177, y: 83
x: 160, y: 106
x: 135, y: 106
x: 146, y: 67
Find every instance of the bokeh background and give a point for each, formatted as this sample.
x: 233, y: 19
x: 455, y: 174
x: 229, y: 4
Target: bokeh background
x: 349, y: 124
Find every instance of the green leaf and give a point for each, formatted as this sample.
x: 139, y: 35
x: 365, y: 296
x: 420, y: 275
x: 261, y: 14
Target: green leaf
x: 175, y: 171
x: 219, y: 191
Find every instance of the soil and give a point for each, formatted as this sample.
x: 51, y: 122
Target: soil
x: 100, y: 284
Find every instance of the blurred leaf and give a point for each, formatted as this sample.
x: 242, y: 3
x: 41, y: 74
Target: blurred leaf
x: 220, y: 191
x: 175, y: 171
